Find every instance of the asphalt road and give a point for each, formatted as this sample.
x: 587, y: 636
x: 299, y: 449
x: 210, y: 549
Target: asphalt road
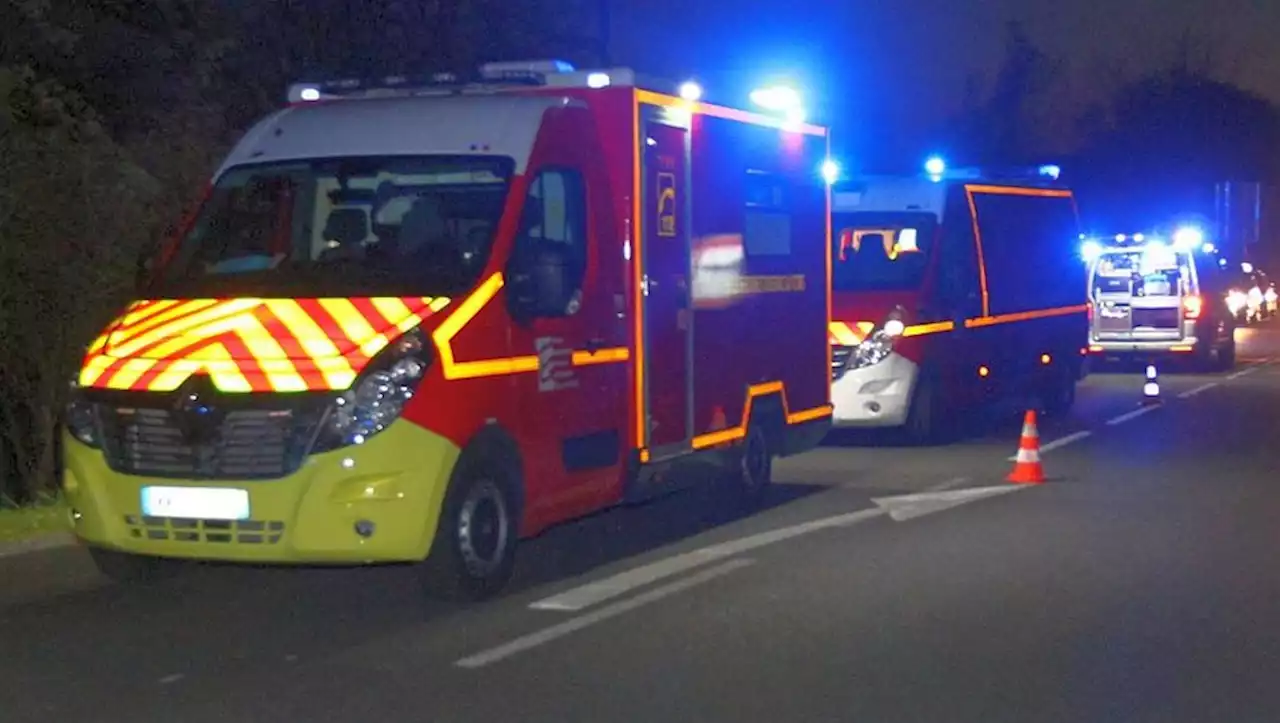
x: 1141, y: 583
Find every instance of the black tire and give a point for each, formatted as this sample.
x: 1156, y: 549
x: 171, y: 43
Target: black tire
x: 1226, y: 360
x: 1059, y: 393
x: 473, y: 554
x: 925, y: 420
x: 752, y: 472
x: 125, y: 569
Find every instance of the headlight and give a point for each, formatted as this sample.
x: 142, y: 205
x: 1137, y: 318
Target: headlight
x: 875, y: 349
x: 378, y: 397
x: 82, y: 418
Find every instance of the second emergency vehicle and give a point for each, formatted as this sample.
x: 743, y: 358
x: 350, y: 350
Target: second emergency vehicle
x: 953, y: 290
x: 420, y: 319
x: 1160, y: 295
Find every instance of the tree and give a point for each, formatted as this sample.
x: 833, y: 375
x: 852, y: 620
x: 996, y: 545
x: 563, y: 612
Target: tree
x: 72, y: 204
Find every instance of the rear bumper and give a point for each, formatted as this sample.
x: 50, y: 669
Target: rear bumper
x: 1139, y: 348
x: 875, y: 396
x: 396, y: 480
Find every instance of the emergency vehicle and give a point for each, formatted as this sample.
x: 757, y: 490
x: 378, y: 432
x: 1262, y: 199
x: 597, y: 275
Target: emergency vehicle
x: 1157, y: 295
x: 953, y: 290
x: 416, y: 320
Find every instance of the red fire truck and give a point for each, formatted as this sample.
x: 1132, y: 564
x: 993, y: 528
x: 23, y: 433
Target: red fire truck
x: 416, y: 320
x: 952, y: 291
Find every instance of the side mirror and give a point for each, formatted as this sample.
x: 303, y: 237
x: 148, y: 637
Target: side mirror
x: 142, y: 268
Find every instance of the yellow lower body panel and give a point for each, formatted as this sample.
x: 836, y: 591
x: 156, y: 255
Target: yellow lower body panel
x: 396, y: 481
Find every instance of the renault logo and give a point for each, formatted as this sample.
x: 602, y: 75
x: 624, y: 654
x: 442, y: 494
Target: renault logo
x: 194, y: 413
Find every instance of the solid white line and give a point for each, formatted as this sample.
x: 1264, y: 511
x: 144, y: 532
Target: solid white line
x: 624, y: 582
x: 573, y: 625
x: 1060, y: 442
x: 1130, y: 416
x: 1242, y: 372
x: 1202, y: 388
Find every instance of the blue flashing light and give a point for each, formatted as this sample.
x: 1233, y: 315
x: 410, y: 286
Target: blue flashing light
x: 777, y: 98
x: 935, y: 166
x: 830, y: 171
x: 1090, y: 250
x: 1051, y: 171
x: 1188, y: 238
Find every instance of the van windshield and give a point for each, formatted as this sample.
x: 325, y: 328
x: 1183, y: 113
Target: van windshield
x: 1137, y: 272
x: 881, y: 251
x: 345, y: 226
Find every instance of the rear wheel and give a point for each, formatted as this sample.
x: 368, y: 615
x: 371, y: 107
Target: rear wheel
x: 1226, y: 360
x: 753, y: 465
x: 473, y: 555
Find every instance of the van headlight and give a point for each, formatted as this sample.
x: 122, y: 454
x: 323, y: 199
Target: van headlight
x: 82, y: 418
x: 879, y: 344
x: 378, y: 397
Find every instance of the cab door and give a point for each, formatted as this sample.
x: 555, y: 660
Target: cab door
x: 573, y: 405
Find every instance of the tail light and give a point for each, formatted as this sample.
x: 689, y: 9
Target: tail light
x: 1192, y: 306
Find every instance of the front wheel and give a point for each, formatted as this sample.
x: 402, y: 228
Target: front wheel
x: 1059, y: 394
x: 473, y: 555
x: 125, y: 569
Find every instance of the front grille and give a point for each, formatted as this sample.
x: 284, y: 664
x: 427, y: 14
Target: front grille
x: 243, y: 444
x: 241, y: 532
x: 839, y: 357
x: 1157, y: 318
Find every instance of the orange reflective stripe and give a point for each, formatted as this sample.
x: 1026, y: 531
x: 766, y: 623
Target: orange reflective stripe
x: 933, y: 327
x: 1025, y: 316
x: 650, y: 97
x: 839, y: 332
x: 731, y: 434
x: 1019, y: 191
x: 601, y: 356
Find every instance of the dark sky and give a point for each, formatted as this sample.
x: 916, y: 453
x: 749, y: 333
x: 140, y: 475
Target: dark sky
x: 886, y: 71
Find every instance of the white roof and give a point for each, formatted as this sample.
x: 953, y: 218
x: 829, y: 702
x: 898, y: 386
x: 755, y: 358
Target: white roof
x: 890, y: 194
x: 499, y: 124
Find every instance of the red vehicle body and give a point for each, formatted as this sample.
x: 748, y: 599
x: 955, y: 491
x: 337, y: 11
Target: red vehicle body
x: 573, y: 351
x: 952, y: 293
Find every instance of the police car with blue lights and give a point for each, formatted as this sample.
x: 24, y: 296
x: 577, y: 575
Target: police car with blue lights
x: 1156, y: 295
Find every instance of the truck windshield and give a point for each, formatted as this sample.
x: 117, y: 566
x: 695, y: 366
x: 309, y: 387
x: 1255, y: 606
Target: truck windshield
x: 881, y: 251
x: 1156, y: 272
x: 346, y: 226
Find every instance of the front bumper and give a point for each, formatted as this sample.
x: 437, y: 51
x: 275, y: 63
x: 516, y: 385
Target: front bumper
x: 875, y: 396
x: 396, y: 480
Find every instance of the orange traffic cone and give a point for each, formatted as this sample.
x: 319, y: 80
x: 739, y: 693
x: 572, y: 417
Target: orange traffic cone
x: 1027, y: 468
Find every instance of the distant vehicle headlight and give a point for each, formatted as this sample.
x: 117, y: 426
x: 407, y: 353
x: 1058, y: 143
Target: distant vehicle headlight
x: 1236, y: 301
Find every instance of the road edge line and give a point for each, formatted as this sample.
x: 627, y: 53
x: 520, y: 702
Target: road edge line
x: 40, y: 543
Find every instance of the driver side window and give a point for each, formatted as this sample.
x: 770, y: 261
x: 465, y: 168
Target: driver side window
x: 552, y: 243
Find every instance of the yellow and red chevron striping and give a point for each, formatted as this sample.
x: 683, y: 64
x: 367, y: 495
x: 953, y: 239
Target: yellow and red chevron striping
x: 250, y: 345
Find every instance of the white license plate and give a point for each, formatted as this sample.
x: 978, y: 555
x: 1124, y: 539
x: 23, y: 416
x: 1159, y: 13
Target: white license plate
x: 195, y: 503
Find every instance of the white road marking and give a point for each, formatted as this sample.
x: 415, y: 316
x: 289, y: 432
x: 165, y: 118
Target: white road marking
x: 1202, y: 388
x: 1060, y: 442
x: 170, y: 679
x: 573, y: 625
x: 944, y: 486
x: 1130, y: 416
x: 909, y: 507
x: 596, y: 592
x: 1242, y: 372
x: 36, y: 544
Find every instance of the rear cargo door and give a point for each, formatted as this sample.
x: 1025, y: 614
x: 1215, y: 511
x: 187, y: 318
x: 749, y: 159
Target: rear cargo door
x: 666, y: 258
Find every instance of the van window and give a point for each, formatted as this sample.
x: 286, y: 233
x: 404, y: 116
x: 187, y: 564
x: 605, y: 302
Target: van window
x: 1029, y: 249
x: 1139, y: 272
x: 881, y: 251
x: 555, y: 218
x: 421, y: 225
